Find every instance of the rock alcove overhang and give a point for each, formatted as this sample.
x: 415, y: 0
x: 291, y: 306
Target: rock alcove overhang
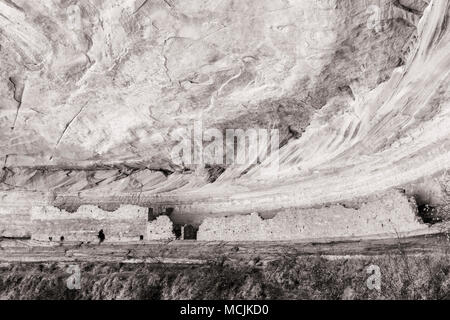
x: 103, y: 83
x: 90, y: 93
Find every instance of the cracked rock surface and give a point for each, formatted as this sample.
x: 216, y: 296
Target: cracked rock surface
x: 107, y: 82
x: 93, y: 92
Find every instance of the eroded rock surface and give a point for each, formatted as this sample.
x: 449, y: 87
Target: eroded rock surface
x: 92, y: 94
x: 108, y: 81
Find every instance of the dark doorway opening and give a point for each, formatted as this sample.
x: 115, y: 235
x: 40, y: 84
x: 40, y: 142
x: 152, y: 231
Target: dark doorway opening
x: 428, y: 214
x: 177, y: 231
x: 101, y: 236
x: 185, y: 232
x: 150, y: 215
x: 190, y: 232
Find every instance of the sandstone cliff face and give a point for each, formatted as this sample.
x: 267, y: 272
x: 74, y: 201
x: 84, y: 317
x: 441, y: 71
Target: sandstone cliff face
x: 101, y: 82
x: 93, y: 92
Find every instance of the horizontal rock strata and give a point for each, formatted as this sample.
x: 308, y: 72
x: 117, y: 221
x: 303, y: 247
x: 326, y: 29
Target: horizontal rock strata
x: 92, y: 94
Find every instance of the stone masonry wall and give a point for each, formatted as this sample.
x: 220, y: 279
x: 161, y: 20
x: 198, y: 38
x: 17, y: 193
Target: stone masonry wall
x: 15, y: 212
x: 160, y: 229
x: 127, y: 223
x: 392, y: 213
x: 15, y: 222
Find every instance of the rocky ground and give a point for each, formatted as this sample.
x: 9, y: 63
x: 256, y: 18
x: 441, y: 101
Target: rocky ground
x: 409, y: 268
